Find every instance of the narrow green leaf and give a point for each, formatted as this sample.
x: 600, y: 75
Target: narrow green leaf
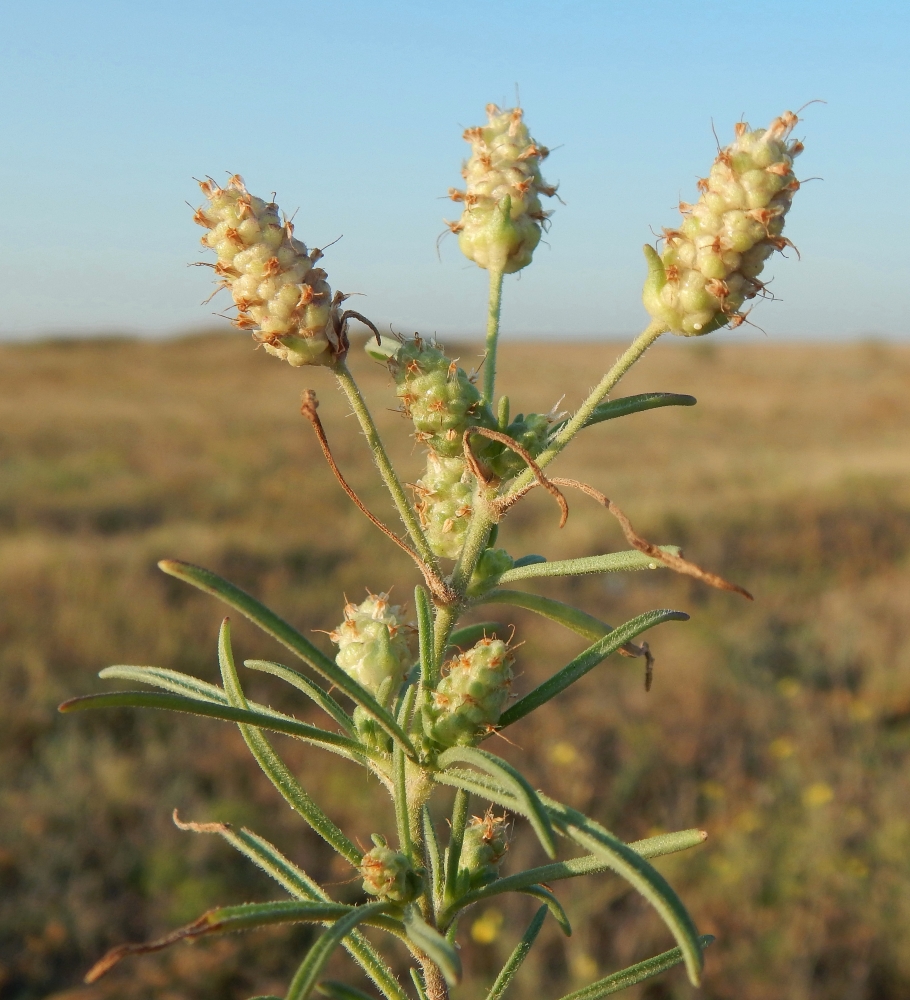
x: 638, y: 873
x: 272, y: 765
x: 400, y: 777
x: 428, y: 672
x: 554, y: 905
x: 279, y: 629
x: 227, y: 713
x: 634, y: 974
x: 564, y: 614
x: 505, y: 977
x: 591, y: 864
x: 586, y: 661
x: 471, y: 634
x: 631, y: 404
x: 313, y: 691
x: 456, y: 839
x: 433, y: 856
x: 481, y: 785
x: 310, y: 969
x: 167, y: 680
x: 636, y: 404
x: 296, y: 882
x: 611, y: 562
x: 529, y: 805
x: 341, y: 991
x: 433, y: 945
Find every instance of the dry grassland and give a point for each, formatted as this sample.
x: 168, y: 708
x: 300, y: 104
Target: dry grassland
x: 781, y: 727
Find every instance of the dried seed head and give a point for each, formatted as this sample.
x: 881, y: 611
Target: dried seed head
x: 375, y: 644
x: 503, y: 217
x: 469, y: 699
x: 710, y: 265
x: 280, y: 295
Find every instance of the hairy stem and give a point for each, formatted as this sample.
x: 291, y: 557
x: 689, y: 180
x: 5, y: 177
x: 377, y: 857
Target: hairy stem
x: 389, y: 476
x: 623, y: 363
x: 489, y: 374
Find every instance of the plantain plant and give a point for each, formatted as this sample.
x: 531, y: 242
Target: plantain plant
x: 414, y: 701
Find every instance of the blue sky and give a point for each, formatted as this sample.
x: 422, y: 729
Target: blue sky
x: 353, y: 113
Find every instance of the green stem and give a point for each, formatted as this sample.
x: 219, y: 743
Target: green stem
x: 623, y: 363
x: 489, y: 373
x: 389, y: 476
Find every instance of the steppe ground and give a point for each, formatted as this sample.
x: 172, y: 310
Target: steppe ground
x: 781, y: 727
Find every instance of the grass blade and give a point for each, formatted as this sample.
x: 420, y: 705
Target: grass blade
x: 433, y: 945
x: 611, y: 562
x: 586, y: 661
x: 528, y: 804
x: 634, y: 974
x: 313, y: 691
x: 279, y: 629
x: 638, y: 873
x: 310, y: 969
x: 505, y: 977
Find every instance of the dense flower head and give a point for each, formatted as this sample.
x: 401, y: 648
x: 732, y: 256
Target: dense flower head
x: 503, y: 217
x: 388, y: 874
x: 444, y: 503
x: 375, y: 644
x: 710, y: 265
x: 469, y: 699
x: 486, y: 840
x: 280, y: 295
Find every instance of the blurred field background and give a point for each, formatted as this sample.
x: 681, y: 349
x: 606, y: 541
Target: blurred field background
x: 781, y: 727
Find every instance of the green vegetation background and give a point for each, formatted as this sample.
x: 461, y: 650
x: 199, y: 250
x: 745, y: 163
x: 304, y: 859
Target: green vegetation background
x: 782, y: 728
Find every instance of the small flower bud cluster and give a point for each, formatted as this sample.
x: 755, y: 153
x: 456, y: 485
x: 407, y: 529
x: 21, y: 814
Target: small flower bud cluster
x: 471, y: 695
x: 490, y: 566
x: 710, y: 265
x: 486, y: 840
x: 531, y: 431
x: 388, y: 874
x: 279, y: 292
x: 502, y: 219
x: 374, y: 645
x: 443, y: 402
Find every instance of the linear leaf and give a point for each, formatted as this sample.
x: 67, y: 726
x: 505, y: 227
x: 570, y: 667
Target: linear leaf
x: 227, y: 713
x: 591, y: 864
x: 287, y: 635
x: 564, y: 614
x: 310, y: 969
x: 169, y: 680
x: 586, y: 661
x: 433, y: 944
x: 505, y: 977
x: 296, y: 882
x: 528, y: 804
x: 433, y: 857
x: 554, y: 905
x: 635, y: 973
x: 313, y: 691
x: 481, y: 785
x: 428, y: 673
x: 638, y: 873
x: 611, y: 562
x: 417, y: 980
x: 272, y: 765
x: 635, y: 404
